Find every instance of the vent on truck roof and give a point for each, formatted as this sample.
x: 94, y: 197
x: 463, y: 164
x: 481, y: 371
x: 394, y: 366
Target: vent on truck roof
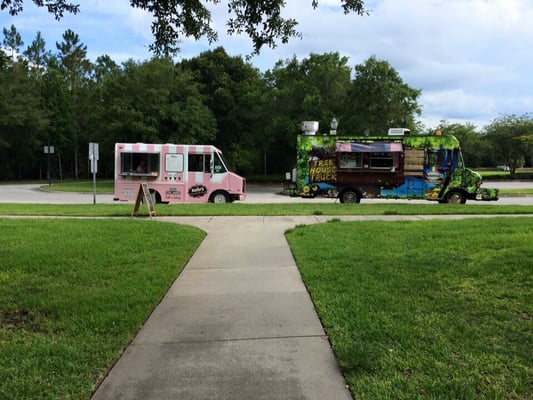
x: 399, y: 132
x: 309, y: 128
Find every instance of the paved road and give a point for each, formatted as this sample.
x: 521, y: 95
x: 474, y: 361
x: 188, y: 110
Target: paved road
x: 32, y: 193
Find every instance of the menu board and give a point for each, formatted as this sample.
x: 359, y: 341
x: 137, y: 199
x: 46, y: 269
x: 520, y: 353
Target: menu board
x: 144, y: 193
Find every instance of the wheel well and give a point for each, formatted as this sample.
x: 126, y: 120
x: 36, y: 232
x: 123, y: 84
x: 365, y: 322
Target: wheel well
x: 461, y: 191
x: 458, y: 190
x: 225, y: 193
x: 350, y: 189
x: 156, y: 196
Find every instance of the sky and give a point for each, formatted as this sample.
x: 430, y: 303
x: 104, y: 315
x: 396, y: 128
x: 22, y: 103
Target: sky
x: 471, y: 59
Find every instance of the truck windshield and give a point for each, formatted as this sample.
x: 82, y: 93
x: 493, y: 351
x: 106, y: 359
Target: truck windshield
x: 221, y: 163
x: 460, y: 162
x: 445, y: 158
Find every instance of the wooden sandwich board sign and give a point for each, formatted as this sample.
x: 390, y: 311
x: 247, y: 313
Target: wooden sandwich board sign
x: 144, y: 192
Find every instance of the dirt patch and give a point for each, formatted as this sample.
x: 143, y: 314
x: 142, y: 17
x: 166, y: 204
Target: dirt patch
x: 23, y: 319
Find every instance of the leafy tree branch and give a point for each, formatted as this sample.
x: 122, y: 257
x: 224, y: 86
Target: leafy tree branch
x: 262, y: 21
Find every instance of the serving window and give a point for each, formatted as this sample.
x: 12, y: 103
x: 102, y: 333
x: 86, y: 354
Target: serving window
x: 375, y: 155
x: 350, y: 160
x: 382, y: 160
x: 139, y: 164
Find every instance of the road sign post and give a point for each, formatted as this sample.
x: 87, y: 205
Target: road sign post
x: 93, y: 159
x: 49, y: 150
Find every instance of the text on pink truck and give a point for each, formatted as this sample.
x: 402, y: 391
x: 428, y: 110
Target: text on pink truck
x: 176, y: 173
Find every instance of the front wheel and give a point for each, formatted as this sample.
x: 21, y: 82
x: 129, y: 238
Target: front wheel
x: 350, y: 196
x: 219, y: 197
x: 455, y: 197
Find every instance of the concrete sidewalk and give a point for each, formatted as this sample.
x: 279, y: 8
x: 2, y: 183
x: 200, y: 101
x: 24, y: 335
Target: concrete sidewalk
x: 238, y: 323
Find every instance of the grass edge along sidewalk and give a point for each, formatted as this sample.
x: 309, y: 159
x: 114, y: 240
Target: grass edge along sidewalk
x: 280, y: 209
x: 432, y: 309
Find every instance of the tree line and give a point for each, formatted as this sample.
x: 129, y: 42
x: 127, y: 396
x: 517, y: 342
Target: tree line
x: 64, y: 100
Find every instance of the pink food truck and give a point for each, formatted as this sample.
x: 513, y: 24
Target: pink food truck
x: 175, y: 173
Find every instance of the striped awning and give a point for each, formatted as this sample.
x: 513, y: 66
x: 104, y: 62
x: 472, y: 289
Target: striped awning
x: 377, y: 147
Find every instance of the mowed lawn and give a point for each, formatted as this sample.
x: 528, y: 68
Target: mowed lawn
x: 74, y: 292
x: 425, y: 310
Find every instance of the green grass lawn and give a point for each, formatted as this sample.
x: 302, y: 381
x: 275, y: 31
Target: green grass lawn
x: 73, y: 293
x: 307, y: 208
x: 82, y: 186
x: 421, y: 309
x: 433, y: 309
x: 516, y: 192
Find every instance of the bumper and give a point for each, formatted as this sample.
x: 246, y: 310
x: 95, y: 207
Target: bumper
x: 487, y: 194
x: 239, y: 197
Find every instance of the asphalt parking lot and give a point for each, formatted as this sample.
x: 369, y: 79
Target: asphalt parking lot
x: 256, y: 194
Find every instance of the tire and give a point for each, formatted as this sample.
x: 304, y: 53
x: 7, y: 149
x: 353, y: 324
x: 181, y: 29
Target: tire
x: 455, y: 197
x: 219, y: 197
x: 350, y: 196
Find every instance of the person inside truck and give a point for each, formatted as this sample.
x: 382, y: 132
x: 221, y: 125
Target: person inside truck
x: 141, y: 168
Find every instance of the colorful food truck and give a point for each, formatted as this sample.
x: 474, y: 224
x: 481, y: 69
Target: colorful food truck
x: 397, y: 165
x: 176, y: 173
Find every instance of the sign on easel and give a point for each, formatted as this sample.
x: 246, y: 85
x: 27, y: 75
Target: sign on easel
x: 144, y: 193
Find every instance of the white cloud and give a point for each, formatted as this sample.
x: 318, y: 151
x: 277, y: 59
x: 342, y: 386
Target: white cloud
x: 472, y: 59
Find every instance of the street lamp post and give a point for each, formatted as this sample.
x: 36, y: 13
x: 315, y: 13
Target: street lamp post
x: 333, y: 125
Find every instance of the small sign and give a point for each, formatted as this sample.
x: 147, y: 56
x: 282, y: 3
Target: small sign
x: 48, y: 149
x: 93, y: 159
x: 144, y: 193
x: 197, y: 191
x: 93, y: 151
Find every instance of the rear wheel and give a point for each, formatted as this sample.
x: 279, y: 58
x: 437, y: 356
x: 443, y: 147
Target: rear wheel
x: 455, y: 197
x: 219, y: 197
x: 350, y: 196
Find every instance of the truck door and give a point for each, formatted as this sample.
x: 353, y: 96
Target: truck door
x: 199, y: 182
